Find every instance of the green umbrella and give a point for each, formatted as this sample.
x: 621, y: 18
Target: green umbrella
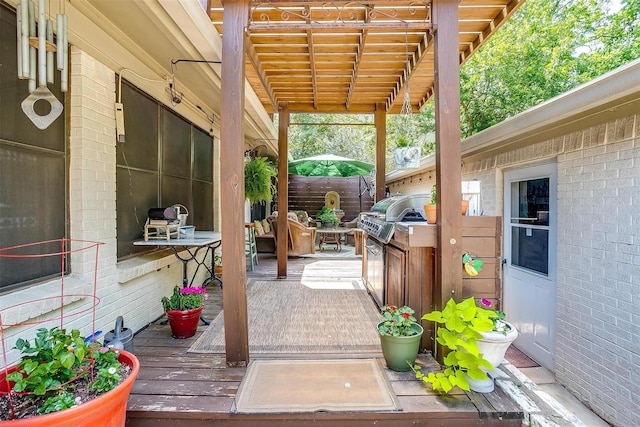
x: 329, y: 165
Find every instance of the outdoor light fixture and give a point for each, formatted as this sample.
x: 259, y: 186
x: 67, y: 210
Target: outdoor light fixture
x: 35, y: 58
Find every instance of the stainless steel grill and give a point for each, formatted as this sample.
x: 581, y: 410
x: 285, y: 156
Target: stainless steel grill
x: 380, y: 222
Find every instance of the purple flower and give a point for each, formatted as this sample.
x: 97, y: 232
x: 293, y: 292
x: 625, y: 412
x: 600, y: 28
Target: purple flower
x: 485, y: 302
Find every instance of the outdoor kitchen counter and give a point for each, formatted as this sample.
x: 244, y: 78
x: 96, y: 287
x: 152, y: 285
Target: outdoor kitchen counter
x: 416, y: 234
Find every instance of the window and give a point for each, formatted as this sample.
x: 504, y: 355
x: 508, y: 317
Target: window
x: 33, y: 167
x: 530, y: 224
x: 165, y: 160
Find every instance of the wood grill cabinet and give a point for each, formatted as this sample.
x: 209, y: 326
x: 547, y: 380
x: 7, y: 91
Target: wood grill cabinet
x: 395, y: 272
x: 409, y: 276
x: 410, y: 266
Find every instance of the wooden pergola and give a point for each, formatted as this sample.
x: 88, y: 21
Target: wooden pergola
x: 343, y: 57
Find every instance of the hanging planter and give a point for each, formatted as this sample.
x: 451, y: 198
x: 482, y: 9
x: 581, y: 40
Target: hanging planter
x: 258, y: 175
x: 407, y: 157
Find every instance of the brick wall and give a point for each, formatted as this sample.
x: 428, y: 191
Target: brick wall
x: 598, y: 306
x: 597, y: 354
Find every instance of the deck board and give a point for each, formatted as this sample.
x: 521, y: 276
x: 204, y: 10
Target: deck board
x: 179, y: 389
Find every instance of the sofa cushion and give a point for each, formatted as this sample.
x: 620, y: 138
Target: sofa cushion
x: 258, y: 227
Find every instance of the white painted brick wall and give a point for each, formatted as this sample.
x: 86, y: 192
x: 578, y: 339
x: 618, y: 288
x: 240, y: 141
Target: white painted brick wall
x: 92, y: 204
x: 598, y: 255
x: 598, y: 332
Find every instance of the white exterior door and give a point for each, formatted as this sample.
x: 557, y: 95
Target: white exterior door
x: 530, y: 259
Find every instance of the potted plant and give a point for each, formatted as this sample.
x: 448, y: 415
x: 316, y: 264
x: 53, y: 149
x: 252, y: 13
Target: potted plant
x: 183, y: 310
x: 258, y: 180
x: 65, y: 379
x: 217, y: 264
x: 404, y: 155
x: 399, y: 337
x: 463, y: 325
x: 494, y: 343
x: 430, y: 209
x: 327, y: 217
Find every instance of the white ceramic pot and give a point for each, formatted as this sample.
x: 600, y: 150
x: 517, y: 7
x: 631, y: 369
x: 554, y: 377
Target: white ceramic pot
x: 494, y: 345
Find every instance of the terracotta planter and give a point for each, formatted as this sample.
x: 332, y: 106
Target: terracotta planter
x: 217, y: 270
x: 399, y: 352
x: 464, y: 207
x: 430, y: 211
x: 107, y: 410
x: 184, y: 323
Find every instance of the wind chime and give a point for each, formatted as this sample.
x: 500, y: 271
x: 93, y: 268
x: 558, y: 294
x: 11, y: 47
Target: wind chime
x: 36, y: 58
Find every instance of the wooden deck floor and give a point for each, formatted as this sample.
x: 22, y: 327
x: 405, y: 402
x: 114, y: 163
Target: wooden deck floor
x: 180, y: 389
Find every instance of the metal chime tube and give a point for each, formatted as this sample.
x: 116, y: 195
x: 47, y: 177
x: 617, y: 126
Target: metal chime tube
x: 32, y: 50
x: 19, y: 38
x: 42, y: 45
x: 64, y: 75
x: 59, y: 52
x: 49, y: 53
x: 24, y: 38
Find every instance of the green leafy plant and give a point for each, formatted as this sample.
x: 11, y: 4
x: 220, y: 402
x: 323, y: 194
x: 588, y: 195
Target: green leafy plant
x: 217, y: 260
x: 461, y: 324
x: 434, y: 195
x: 50, y: 369
x: 258, y: 179
x: 326, y: 216
x: 397, y: 321
x: 185, y: 298
x: 499, y: 323
x: 402, y: 141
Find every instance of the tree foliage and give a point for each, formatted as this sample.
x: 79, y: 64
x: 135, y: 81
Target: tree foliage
x: 546, y: 48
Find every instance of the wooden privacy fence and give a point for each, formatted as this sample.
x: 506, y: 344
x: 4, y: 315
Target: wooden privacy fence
x: 306, y: 193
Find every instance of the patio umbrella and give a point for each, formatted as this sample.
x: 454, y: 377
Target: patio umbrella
x: 329, y: 165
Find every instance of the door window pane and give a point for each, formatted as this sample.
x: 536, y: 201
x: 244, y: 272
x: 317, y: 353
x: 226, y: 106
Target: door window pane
x: 530, y: 248
x: 530, y: 224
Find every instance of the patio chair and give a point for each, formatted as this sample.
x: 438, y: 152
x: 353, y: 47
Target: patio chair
x: 302, y: 239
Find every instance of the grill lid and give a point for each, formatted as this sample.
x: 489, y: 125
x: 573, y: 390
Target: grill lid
x: 380, y: 222
x: 400, y: 208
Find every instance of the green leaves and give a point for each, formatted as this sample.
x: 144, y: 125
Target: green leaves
x: 49, y: 367
x: 258, y: 179
x: 461, y: 326
x: 554, y: 46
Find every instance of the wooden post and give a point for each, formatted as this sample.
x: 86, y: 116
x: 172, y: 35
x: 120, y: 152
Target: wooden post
x: 380, y: 119
x: 234, y: 276
x: 282, y: 238
x: 448, y: 153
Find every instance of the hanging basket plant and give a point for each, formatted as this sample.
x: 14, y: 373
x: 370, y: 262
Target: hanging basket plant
x: 258, y: 180
x: 406, y: 156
